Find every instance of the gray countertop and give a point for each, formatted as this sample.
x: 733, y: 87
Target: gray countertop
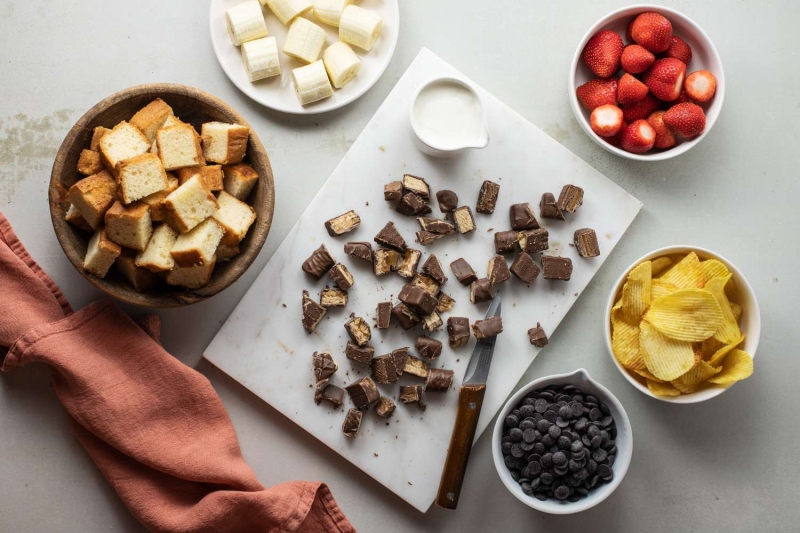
x: 725, y: 465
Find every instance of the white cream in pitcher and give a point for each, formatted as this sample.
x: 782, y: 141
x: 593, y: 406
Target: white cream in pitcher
x: 448, y: 115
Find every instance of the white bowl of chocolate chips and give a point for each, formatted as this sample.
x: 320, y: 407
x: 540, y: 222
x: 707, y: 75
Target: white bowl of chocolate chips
x: 562, y: 444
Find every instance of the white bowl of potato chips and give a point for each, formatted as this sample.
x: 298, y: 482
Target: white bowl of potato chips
x: 682, y: 324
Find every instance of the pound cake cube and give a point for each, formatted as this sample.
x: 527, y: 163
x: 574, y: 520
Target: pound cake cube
x: 190, y: 204
x: 129, y: 225
x: 210, y: 174
x: 140, y: 176
x: 179, y: 146
x: 234, y: 216
x: 74, y: 217
x: 224, y: 143
x: 226, y: 252
x: 156, y: 256
x: 90, y: 163
x: 158, y: 210
x: 97, y: 134
x: 100, y: 254
x: 93, y: 196
x: 121, y: 143
x: 140, y: 278
x: 191, y: 277
x: 239, y: 180
x: 197, y: 246
x: 151, y: 118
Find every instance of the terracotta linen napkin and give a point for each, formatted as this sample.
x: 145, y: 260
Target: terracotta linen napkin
x: 154, y: 427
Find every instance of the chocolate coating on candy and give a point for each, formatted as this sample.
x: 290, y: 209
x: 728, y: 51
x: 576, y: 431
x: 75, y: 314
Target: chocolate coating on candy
x: 399, y: 358
x: 487, y: 197
x: 385, y: 407
x: 359, y: 331
x: 418, y: 186
x: 384, y: 315
x: 548, y: 207
x: 525, y: 268
x: 352, y: 423
x: 359, y: 250
x: 383, y: 369
x: 319, y: 263
x: 324, y: 366
x: 505, y: 242
x: 537, y: 336
x: 433, y: 268
x: 533, y: 240
x: 586, y: 242
x: 412, y: 205
x: 463, y: 271
x: 435, y: 225
x: 522, y: 217
x: 559, y: 268
x: 426, y: 237
x: 448, y: 200
x: 439, y: 380
x: 570, y: 199
x: 341, y: 276
x: 363, y: 392
x: 393, y: 191
x: 390, y: 237
x: 498, y: 270
x: 329, y: 393
x: 427, y: 347
x: 360, y: 354
x: 343, y: 224
x: 405, y: 316
x: 418, y: 299
x: 412, y: 394
x: 486, y: 329
x: 457, y: 331
x: 312, y: 313
x: 463, y: 219
x: 481, y: 291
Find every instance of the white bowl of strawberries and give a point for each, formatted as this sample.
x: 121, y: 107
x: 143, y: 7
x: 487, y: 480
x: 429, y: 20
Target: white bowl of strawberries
x: 646, y: 83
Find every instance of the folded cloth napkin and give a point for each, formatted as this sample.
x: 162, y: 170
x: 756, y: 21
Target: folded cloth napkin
x: 154, y: 427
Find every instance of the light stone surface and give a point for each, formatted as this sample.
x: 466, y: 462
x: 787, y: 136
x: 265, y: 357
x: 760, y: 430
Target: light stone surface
x: 726, y: 465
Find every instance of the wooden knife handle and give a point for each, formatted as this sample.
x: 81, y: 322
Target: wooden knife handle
x: 470, y: 401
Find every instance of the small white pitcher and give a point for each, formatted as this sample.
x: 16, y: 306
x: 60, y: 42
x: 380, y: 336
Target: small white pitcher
x: 432, y: 147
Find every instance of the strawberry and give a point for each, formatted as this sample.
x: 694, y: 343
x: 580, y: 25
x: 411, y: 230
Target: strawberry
x: 685, y: 120
x: 628, y: 35
x: 638, y: 138
x: 665, y: 78
x: 606, y: 120
x: 615, y: 140
x: 597, y: 92
x: 652, y: 31
x: 700, y: 86
x: 640, y: 110
x: 601, y: 54
x: 679, y: 50
x: 636, y: 59
x: 682, y: 98
x: 664, y: 137
x: 630, y: 89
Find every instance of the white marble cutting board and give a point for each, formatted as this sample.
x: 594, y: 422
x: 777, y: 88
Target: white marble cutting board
x: 264, y: 347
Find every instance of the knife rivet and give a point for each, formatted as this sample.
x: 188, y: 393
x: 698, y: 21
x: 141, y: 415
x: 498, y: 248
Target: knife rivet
x: 472, y: 406
x: 451, y: 496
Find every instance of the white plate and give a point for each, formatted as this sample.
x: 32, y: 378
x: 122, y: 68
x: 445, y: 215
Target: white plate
x: 278, y: 92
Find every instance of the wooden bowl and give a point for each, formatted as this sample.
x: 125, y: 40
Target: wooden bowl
x: 193, y: 106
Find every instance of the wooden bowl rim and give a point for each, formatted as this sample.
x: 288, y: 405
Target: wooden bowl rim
x: 172, y: 297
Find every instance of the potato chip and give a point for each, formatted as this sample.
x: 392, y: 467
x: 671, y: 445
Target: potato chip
x: 659, y: 264
x: 691, y: 380
x: 659, y: 288
x: 686, y: 315
x: 713, y: 268
x: 687, y: 273
x: 666, y: 358
x: 738, y: 366
x: 729, y: 329
x: 625, y: 342
x: 732, y: 291
x: 647, y: 374
x: 718, y: 356
x: 636, y: 293
x: 662, y: 389
x: 709, y: 347
x: 737, y: 310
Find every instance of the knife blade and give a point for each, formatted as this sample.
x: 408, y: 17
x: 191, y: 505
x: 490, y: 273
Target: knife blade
x: 470, y: 402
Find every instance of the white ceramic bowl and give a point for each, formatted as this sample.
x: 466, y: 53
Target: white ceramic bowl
x: 749, y: 323
x: 624, y: 442
x: 704, y: 57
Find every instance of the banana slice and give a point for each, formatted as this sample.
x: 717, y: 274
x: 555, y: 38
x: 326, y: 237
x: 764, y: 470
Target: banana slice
x: 360, y: 27
x: 330, y: 11
x: 245, y: 22
x: 341, y: 63
x: 311, y: 83
x: 261, y: 58
x: 287, y: 10
x: 304, y: 40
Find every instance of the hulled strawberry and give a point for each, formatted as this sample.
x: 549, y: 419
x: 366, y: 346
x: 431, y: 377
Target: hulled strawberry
x: 664, y: 137
x: 606, y: 120
x: 601, y: 54
x: 630, y: 90
x: 679, y: 50
x: 597, y: 92
x: 665, y: 78
x: 685, y: 120
x: 653, y: 31
x: 638, y: 138
x: 636, y: 59
x: 640, y: 110
x: 700, y: 85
